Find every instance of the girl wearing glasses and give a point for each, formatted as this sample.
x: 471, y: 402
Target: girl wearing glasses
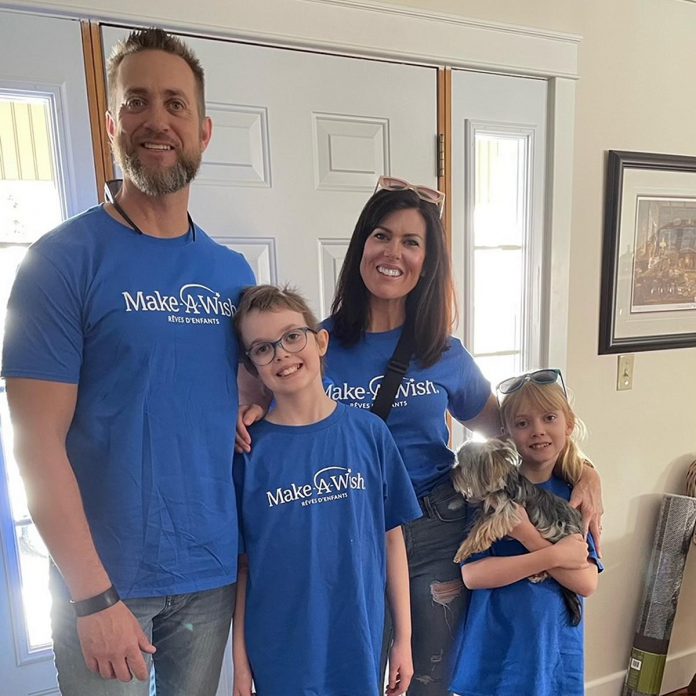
x: 518, y: 637
x: 396, y: 275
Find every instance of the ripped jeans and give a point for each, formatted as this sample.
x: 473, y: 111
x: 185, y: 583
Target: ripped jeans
x: 438, y: 596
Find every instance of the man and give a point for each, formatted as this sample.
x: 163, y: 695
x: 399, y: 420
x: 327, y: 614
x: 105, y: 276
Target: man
x: 121, y: 368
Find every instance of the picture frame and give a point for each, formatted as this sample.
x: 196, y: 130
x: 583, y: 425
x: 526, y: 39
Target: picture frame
x: 648, y: 286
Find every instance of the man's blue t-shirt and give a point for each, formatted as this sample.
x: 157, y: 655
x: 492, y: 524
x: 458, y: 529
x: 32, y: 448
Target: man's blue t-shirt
x: 418, y: 417
x: 315, y: 502
x: 143, y: 326
x: 518, y: 639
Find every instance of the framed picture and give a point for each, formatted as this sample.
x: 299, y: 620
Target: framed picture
x: 648, y: 293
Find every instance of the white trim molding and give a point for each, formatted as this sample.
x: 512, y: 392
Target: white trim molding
x: 354, y: 27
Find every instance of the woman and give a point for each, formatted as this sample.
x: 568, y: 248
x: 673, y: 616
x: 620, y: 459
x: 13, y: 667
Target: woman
x: 397, y: 273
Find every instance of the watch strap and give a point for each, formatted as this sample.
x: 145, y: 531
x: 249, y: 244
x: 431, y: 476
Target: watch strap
x: 91, y: 605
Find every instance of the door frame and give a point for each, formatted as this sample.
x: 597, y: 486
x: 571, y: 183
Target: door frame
x: 374, y: 29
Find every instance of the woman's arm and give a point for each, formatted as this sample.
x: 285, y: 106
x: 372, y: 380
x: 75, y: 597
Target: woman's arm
x: 499, y: 571
x: 242, y: 669
x: 488, y: 421
x: 587, y: 497
x: 400, y: 659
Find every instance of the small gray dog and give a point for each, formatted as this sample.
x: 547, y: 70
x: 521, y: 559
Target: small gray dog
x: 487, y: 473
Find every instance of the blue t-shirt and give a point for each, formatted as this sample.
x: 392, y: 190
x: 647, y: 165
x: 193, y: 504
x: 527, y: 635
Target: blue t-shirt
x: 518, y: 639
x: 418, y: 417
x: 143, y: 326
x: 315, y: 502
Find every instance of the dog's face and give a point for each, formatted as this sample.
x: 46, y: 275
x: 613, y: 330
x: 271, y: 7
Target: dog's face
x: 483, y: 468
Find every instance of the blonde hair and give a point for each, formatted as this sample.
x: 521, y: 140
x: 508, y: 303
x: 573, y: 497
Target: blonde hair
x: 549, y: 397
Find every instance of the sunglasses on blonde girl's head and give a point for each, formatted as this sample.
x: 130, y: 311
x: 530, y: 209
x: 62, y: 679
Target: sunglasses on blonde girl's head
x: 430, y: 195
x: 549, y: 375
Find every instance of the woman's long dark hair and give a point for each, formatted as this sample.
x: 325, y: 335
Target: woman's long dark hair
x: 428, y: 305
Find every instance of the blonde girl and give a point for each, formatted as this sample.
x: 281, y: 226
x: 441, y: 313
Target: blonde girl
x: 518, y: 637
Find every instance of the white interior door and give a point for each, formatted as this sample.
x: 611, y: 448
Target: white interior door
x: 498, y: 171
x: 299, y: 140
x: 46, y: 174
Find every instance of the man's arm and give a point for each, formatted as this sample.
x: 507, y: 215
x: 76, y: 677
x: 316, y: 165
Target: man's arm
x: 41, y: 414
x: 254, y: 400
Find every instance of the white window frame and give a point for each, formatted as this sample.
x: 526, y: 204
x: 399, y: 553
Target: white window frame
x: 532, y: 247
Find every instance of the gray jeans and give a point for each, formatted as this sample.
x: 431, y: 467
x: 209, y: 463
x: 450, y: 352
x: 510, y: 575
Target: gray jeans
x: 190, y: 632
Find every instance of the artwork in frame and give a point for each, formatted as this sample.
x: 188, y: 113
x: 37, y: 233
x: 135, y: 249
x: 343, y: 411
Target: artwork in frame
x: 648, y: 292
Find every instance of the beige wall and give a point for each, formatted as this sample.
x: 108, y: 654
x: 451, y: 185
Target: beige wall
x: 637, y: 62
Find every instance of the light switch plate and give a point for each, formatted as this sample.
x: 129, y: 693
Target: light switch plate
x: 624, y: 373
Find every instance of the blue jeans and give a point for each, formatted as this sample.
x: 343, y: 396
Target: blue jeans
x: 438, y: 596
x: 190, y: 632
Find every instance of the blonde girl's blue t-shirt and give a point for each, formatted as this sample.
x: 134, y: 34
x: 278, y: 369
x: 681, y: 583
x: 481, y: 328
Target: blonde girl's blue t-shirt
x: 417, y: 420
x: 143, y: 327
x: 315, y: 503
x: 518, y: 639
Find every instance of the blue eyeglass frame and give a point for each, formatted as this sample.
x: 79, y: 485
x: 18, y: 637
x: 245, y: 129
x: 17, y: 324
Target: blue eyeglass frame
x: 279, y: 342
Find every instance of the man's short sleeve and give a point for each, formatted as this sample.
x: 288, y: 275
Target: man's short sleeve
x: 43, y: 333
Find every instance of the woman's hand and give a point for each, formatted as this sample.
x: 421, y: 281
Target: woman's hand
x: 587, y: 497
x: 248, y: 414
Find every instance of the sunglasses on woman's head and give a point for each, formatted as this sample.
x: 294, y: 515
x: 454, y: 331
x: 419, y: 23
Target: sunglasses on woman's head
x: 425, y: 193
x: 549, y: 375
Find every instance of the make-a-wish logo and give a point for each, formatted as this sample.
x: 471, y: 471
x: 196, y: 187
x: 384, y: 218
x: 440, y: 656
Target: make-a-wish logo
x: 362, y: 397
x: 328, y: 484
x: 194, y: 304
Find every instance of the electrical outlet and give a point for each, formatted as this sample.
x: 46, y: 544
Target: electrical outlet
x: 624, y: 372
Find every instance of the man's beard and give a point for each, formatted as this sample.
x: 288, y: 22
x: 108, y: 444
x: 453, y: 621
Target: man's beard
x: 160, y: 181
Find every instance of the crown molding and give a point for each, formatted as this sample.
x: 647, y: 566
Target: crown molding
x: 365, y: 28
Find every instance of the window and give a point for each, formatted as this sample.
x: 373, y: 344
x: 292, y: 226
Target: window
x: 500, y: 254
x: 31, y: 202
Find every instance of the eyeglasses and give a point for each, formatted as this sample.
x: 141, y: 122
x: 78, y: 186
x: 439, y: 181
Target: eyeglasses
x: 430, y: 195
x: 293, y: 341
x: 549, y: 375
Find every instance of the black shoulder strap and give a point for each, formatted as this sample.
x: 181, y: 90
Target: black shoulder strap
x: 396, y: 369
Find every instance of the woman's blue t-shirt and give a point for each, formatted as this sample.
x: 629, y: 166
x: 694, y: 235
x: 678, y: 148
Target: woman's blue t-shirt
x: 418, y: 417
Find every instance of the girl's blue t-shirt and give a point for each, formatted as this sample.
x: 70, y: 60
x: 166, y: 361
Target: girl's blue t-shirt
x: 315, y: 503
x: 417, y: 420
x: 518, y: 639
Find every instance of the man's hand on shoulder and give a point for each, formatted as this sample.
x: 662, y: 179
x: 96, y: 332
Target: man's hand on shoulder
x: 113, y: 644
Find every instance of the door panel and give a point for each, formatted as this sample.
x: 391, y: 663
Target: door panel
x: 46, y: 174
